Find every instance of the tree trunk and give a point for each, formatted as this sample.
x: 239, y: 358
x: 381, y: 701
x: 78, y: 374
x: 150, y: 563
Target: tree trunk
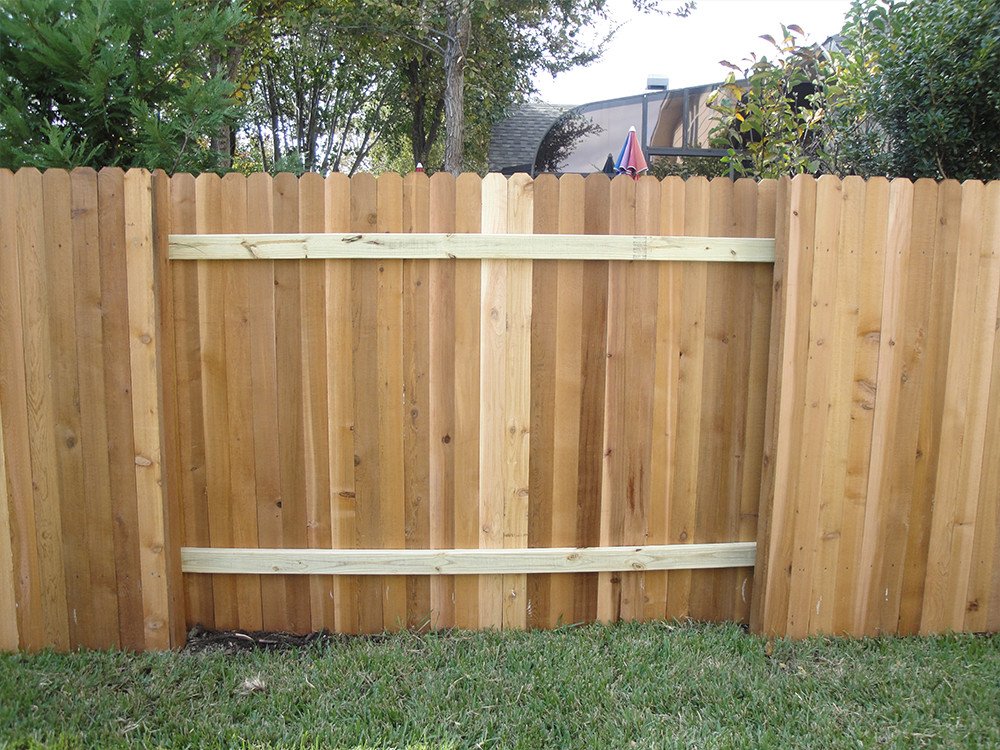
x: 223, y: 139
x: 456, y: 47
x: 426, y: 112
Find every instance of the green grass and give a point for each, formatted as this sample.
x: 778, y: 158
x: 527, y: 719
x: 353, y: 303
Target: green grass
x: 625, y: 686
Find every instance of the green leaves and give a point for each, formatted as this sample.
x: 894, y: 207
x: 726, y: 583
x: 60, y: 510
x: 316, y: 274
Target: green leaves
x: 112, y: 83
x: 921, y: 88
x: 773, y: 120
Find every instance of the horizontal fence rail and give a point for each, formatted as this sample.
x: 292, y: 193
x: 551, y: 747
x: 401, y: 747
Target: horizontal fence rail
x: 468, y: 561
x: 479, y: 246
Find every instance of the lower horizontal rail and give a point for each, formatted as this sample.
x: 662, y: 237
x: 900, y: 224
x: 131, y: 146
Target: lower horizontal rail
x: 467, y: 561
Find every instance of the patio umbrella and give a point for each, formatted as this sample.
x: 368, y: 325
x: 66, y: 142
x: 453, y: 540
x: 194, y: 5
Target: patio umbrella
x: 630, y: 160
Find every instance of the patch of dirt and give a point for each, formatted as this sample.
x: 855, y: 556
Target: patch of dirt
x: 201, y: 641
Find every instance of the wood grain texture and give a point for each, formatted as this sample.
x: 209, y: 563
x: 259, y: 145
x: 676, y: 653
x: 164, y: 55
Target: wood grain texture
x: 794, y: 237
x: 263, y: 365
x: 516, y: 418
x: 65, y: 428
x: 468, y: 356
x: 21, y: 510
x: 938, y: 225
x: 189, y: 425
x: 441, y: 400
x: 171, y: 465
x: 9, y: 634
x: 416, y: 365
x: 212, y: 282
x: 40, y: 396
x: 364, y: 297
x: 460, y: 402
x: 340, y: 401
x: 239, y: 401
x: 685, y: 493
x: 953, y: 528
x: 488, y: 245
x: 391, y: 399
x: 985, y: 543
x: 493, y: 319
x: 510, y: 561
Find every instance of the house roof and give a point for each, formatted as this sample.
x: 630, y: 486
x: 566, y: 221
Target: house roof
x: 515, y: 140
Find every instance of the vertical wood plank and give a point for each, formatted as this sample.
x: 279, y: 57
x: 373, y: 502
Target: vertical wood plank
x: 840, y: 266
x: 466, y: 438
x: 367, y: 392
x: 542, y: 465
x: 682, y: 518
x: 391, y: 407
x: 872, y: 238
x: 212, y: 282
x: 590, y: 500
x: 173, y: 522
x: 963, y: 430
x: 666, y: 391
x: 191, y: 482
x: 118, y: 402
x: 940, y: 226
x: 441, y: 397
x: 641, y: 375
x: 752, y: 202
x: 568, y: 407
x: 288, y: 322
x: 881, y: 498
x: 239, y: 400
x: 340, y: 400
x: 264, y: 366
x: 628, y: 409
x: 17, y: 605
x: 786, y: 384
x: 312, y: 279
x: 985, y: 543
x: 911, y: 348
x: 37, y: 331
x: 493, y: 367
x: 9, y: 634
x: 517, y: 406
x: 65, y: 429
x: 13, y: 390
x: 144, y: 350
x: 417, y: 320
x: 807, y: 588
x: 721, y: 431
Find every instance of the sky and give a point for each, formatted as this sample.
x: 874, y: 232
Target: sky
x: 687, y: 50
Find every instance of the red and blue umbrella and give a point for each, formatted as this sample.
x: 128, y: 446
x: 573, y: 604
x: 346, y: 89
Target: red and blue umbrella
x: 630, y: 160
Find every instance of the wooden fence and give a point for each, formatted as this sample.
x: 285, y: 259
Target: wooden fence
x: 843, y: 395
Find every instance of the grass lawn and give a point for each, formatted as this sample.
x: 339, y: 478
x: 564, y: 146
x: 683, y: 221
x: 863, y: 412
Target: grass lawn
x: 653, y: 685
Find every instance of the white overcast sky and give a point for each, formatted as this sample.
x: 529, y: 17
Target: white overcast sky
x: 687, y: 50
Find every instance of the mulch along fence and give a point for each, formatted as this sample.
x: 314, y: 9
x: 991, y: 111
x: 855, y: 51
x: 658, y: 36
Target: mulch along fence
x: 557, y: 415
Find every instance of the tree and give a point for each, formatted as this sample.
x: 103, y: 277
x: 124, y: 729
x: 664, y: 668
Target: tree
x: 465, y: 62
x: 318, y: 99
x: 112, y: 83
x: 921, y: 89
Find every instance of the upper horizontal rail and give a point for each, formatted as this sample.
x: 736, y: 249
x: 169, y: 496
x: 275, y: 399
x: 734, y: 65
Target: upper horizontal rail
x: 470, y: 246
